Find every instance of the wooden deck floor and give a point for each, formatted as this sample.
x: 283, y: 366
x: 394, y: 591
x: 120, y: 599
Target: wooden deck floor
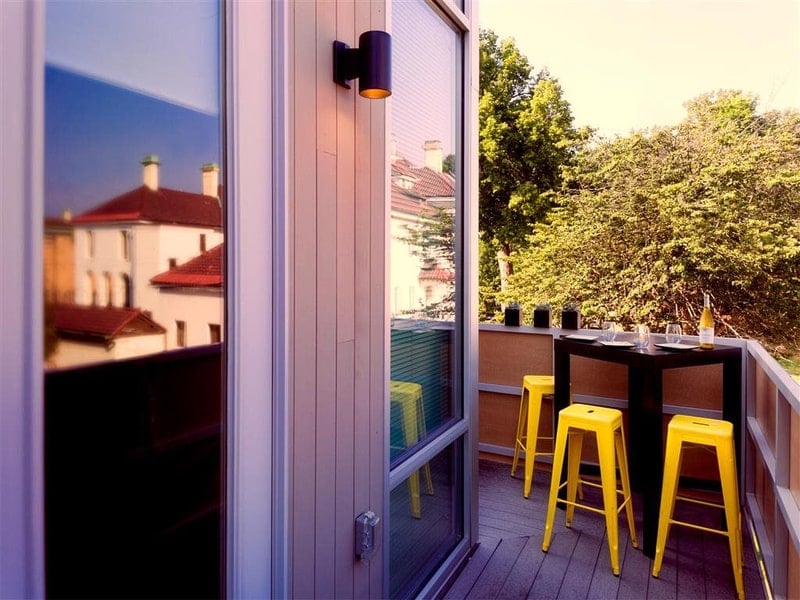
x: 509, y: 562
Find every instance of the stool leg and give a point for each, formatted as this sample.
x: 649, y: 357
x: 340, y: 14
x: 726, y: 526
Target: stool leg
x: 669, y: 489
x: 411, y: 434
x: 608, y: 479
x: 730, y: 496
x: 622, y: 459
x: 573, y: 471
x: 523, y: 413
x: 555, y: 482
x: 532, y: 435
x: 423, y: 432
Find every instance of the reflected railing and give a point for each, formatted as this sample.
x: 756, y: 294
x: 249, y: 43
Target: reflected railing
x: 133, y: 481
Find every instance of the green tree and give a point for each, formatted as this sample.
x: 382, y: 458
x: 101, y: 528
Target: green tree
x: 653, y: 219
x: 526, y: 138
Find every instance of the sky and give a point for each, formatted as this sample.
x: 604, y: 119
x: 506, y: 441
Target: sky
x: 121, y: 83
x: 627, y: 65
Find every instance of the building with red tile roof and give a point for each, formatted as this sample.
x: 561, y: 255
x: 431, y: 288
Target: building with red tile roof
x: 94, y: 333
x: 417, y: 194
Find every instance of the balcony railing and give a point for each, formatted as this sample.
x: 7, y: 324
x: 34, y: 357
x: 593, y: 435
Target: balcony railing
x: 770, y: 461
x: 132, y: 477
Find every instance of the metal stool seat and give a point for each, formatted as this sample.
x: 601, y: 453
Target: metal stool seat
x: 606, y: 424
x: 687, y: 431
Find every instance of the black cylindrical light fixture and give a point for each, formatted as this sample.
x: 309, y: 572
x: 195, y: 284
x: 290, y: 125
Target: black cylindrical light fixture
x: 375, y: 78
x: 371, y: 63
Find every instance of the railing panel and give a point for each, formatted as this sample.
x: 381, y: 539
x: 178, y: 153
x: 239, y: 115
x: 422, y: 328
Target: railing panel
x: 765, y: 404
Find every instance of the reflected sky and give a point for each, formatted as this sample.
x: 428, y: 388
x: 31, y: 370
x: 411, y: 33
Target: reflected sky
x: 97, y: 134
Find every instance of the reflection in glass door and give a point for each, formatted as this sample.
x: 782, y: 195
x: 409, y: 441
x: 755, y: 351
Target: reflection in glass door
x: 134, y: 299
x: 425, y: 297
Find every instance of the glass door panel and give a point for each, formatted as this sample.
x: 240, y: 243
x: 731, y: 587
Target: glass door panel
x: 424, y: 295
x: 134, y: 299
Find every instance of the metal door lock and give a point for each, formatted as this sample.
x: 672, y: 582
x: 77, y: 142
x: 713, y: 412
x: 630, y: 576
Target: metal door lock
x: 366, y: 535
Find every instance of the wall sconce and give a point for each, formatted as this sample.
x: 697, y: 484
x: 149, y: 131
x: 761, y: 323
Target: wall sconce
x: 371, y: 63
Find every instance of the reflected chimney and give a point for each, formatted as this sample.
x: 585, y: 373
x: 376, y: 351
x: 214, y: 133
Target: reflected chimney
x: 150, y: 171
x: 66, y: 215
x: 210, y: 180
x: 433, y: 155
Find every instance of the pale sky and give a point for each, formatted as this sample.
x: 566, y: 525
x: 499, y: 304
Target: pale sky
x: 627, y: 64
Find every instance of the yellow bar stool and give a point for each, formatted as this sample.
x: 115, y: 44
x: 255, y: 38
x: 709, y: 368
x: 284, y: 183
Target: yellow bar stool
x: 530, y: 408
x: 688, y: 431
x: 606, y: 424
x: 408, y: 396
x: 534, y: 388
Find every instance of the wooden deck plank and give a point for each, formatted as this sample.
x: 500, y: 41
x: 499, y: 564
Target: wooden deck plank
x: 509, y: 562
x: 498, y: 569
x: 554, y: 567
x: 525, y: 570
x: 471, y: 571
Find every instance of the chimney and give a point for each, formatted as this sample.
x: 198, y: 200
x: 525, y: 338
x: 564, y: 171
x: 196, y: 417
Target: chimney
x: 150, y: 171
x: 66, y: 215
x: 210, y: 180
x: 433, y: 155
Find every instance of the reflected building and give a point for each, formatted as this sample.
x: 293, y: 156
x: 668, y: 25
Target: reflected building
x: 420, y: 194
x: 130, y: 259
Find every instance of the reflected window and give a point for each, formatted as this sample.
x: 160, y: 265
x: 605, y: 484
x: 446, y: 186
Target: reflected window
x: 126, y: 290
x: 180, y: 333
x: 202, y: 242
x: 90, y: 244
x: 214, y: 333
x: 107, y: 292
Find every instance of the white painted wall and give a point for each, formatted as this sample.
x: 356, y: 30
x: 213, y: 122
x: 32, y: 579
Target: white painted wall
x: 150, y: 248
x: 196, y: 307
x: 71, y: 353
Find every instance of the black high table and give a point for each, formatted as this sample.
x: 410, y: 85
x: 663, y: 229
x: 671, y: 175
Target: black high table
x: 645, y: 407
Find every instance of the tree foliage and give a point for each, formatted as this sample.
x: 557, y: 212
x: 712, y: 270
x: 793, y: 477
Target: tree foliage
x: 526, y: 137
x: 652, y: 220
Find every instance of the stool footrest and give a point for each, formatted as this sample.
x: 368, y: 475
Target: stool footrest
x: 722, y: 532
x: 700, y: 502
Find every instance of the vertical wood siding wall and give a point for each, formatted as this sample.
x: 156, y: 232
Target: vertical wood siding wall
x: 337, y: 238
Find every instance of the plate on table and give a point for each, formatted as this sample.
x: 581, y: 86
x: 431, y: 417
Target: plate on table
x: 616, y: 344
x: 580, y: 338
x: 676, y: 346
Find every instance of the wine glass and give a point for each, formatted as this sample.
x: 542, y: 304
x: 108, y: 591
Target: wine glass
x: 609, y: 331
x: 674, y: 333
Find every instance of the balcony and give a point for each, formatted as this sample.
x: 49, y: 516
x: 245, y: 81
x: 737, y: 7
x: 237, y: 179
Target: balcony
x: 509, y: 562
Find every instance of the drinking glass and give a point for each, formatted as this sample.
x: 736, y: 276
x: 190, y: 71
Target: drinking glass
x: 674, y: 333
x: 641, y: 336
x: 609, y: 331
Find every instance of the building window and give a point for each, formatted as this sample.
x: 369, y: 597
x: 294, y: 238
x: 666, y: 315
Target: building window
x: 109, y: 295
x: 126, y: 290
x: 180, y: 339
x: 90, y: 244
x: 124, y: 239
x: 202, y: 242
x: 173, y: 262
x: 214, y: 333
x: 92, y: 288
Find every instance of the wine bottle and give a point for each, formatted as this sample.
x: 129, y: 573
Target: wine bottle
x: 706, y: 327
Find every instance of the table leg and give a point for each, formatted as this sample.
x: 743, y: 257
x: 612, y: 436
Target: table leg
x: 645, y: 447
x: 561, y: 379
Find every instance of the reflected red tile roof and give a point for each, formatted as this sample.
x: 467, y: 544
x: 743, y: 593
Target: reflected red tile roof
x: 202, y: 271
x: 427, y: 183
x: 437, y: 275
x: 103, y: 322
x: 158, y: 206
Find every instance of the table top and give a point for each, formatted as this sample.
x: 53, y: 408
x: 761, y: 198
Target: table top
x: 650, y: 356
